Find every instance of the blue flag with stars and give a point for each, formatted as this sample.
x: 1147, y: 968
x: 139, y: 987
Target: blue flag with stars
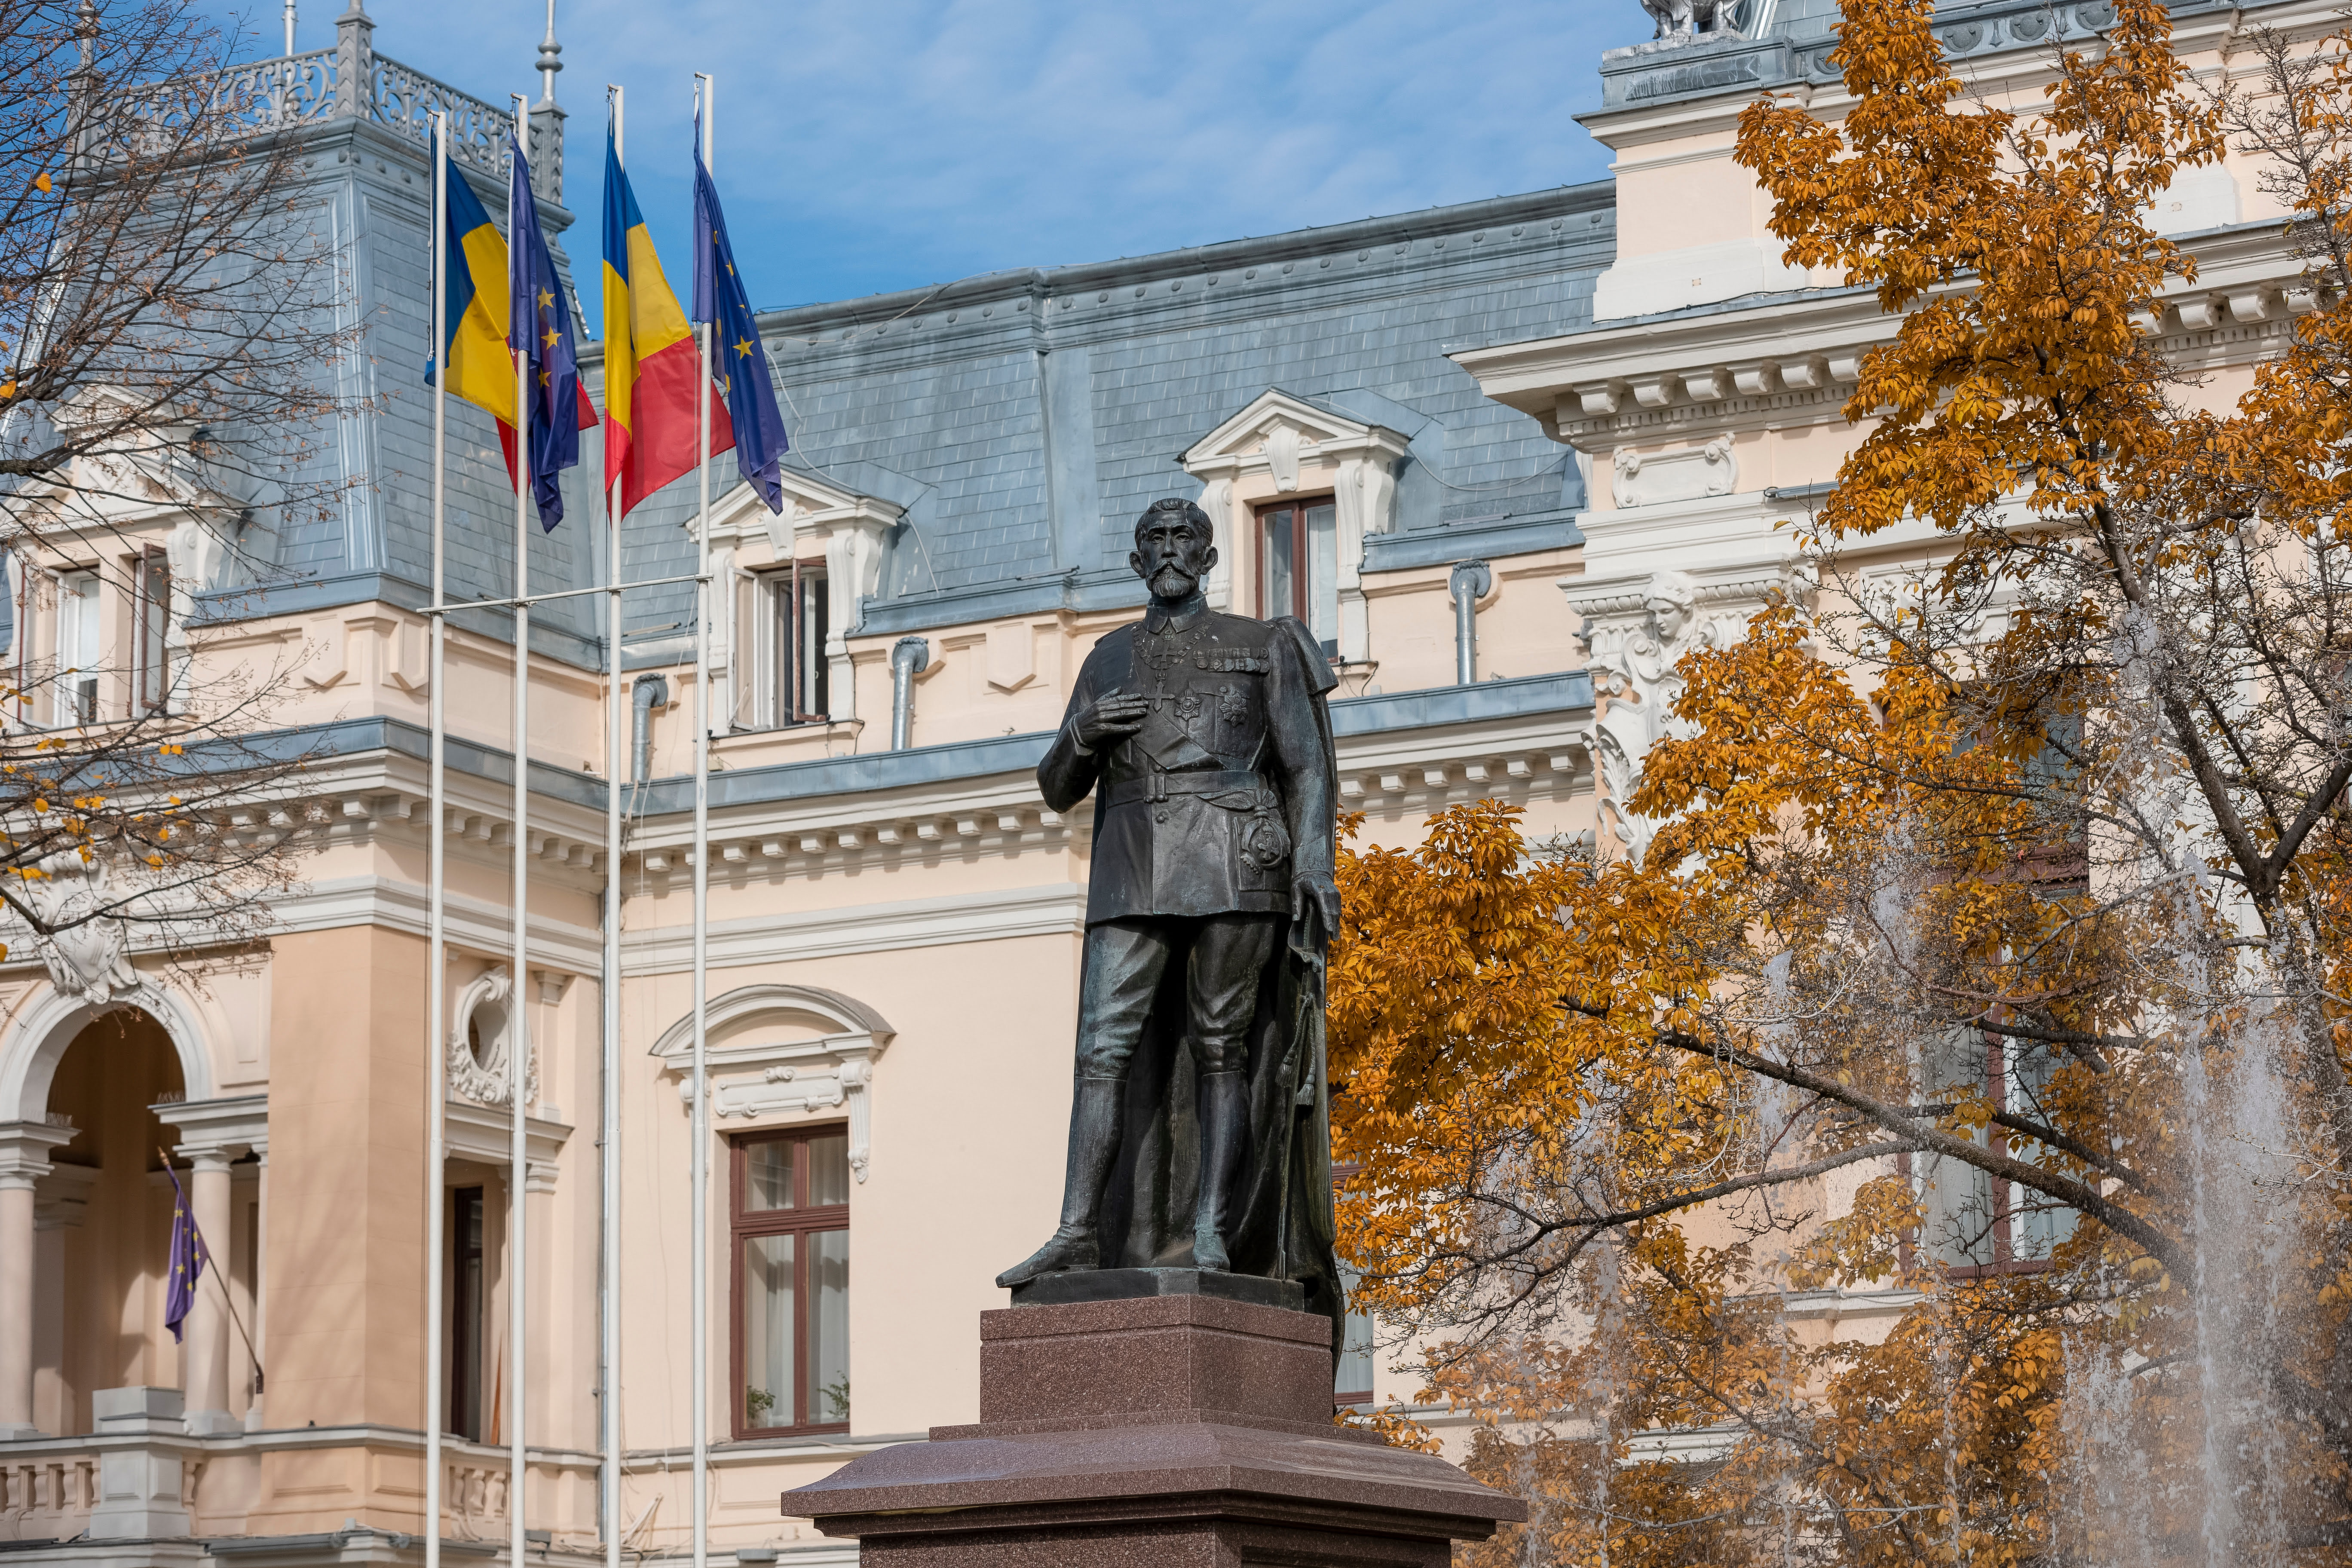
x: 538, y: 323
x: 738, y: 362
x: 189, y: 1256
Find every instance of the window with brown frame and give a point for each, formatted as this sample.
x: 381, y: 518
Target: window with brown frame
x: 793, y: 679
x: 1298, y: 565
x: 1974, y: 1225
x: 791, y: 1281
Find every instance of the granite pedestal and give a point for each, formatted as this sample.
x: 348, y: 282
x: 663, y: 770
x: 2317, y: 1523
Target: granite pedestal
x: 1183, y: 1429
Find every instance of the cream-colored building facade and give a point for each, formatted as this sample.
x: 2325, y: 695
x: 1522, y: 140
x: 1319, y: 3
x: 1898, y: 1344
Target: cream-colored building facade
x: 1509, y: 459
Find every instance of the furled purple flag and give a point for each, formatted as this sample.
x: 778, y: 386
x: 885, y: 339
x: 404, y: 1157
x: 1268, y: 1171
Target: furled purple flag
x: 189, y: 1256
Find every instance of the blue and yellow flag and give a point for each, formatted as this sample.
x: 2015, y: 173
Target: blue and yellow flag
x: 739, y: 364
x: 652, y: 374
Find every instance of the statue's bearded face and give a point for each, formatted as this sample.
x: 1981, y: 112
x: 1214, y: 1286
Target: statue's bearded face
x: 1171, y: 555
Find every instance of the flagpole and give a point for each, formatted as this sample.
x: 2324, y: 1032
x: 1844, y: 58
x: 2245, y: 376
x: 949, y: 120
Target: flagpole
x: 700, y: 1122
x: 435, y: 935
x: 518, y: 1032
x: 613, y: 706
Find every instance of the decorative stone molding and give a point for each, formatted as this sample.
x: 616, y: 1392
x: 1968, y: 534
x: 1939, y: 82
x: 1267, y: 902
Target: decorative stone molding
x: 1797, y: 360
x: 774, y: 1050
x: 1636, y: 630
x: 225, y: 1127
x: 486, y: 1007
x: 1283, y: 436
x: 90, y: 960
x: 24, y: 1148
x: 485, y: 1134
x: 1650, y: 479
x: 1217, y: 501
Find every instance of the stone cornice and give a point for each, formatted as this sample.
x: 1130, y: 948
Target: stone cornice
x: 1795, y: 359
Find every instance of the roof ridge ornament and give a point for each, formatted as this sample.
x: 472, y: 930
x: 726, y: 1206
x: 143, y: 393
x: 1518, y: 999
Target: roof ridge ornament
x: 550, y: 61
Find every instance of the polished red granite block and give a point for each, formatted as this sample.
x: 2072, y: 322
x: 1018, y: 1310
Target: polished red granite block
x: 1160, y: 1431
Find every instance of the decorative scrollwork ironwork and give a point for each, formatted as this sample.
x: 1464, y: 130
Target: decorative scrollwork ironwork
x: 404, y: 99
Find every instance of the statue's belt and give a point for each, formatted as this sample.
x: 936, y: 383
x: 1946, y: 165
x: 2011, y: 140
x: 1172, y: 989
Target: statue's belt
x: 1241, y: 789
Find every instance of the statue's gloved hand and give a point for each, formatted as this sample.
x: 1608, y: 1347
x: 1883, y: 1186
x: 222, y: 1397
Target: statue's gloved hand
x: 1112, y: 718
x: 1314, y: 910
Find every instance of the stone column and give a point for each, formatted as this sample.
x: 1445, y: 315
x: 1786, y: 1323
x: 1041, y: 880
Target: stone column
x: 25, y: 1147
x: 547, y: 1296
x: 17, y: 1303
x: 208, y: 1328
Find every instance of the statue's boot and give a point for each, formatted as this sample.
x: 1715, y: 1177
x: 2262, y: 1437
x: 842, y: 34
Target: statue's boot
x: 1223, y: 1108
x: 1096, y: 1113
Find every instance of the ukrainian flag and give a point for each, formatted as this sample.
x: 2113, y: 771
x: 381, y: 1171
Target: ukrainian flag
x: 651, y: 367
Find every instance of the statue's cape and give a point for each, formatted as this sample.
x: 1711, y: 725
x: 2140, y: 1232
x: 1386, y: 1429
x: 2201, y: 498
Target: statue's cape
x: 1283, y: 1226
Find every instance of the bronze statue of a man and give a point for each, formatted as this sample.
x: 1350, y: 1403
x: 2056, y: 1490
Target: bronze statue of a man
x: 1199, y: 1135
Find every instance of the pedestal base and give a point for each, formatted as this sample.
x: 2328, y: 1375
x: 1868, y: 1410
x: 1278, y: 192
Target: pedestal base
x: 1121, y: 1284
x: 1153, y: 1431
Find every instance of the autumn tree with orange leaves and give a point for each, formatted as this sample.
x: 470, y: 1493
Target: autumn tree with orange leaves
x: 1991, y: 957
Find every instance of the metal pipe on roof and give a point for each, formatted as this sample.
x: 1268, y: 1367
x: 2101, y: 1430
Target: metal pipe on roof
x: 909, y: 656
x: 1469, y: 581
x: 645, y: 693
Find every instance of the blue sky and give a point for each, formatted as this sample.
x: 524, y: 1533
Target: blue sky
x: 882, y: 144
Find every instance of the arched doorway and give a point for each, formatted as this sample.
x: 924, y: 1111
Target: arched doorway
x: 103, y: 1220
x: 97, y: 1094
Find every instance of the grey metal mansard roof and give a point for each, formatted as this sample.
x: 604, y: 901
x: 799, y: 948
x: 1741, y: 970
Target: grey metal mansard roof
x: 1020, y: 418
x: 1024, y: 417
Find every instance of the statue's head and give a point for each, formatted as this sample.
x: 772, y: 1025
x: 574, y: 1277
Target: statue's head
x: 1175, y: 546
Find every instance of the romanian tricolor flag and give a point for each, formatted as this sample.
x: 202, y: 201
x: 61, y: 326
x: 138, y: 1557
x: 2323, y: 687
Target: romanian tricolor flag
x: 651, y: 368
x: 481, y: 366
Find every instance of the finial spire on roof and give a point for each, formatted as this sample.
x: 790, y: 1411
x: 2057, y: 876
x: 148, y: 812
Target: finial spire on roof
x: 549, y: 60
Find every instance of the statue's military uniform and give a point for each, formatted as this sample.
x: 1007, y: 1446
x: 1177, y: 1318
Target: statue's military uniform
x: 1212, y: 772
x: 1198, y: 821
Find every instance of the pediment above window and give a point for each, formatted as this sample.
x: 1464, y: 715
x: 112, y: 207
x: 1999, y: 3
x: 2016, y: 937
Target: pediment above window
x: 1279, y: 433
x: 740, y: 520
x: 779, y: 1053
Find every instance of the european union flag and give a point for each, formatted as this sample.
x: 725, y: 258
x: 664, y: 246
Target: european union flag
x: 539, y: 322
x: 188, y: 1260
x: 738, y: 362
